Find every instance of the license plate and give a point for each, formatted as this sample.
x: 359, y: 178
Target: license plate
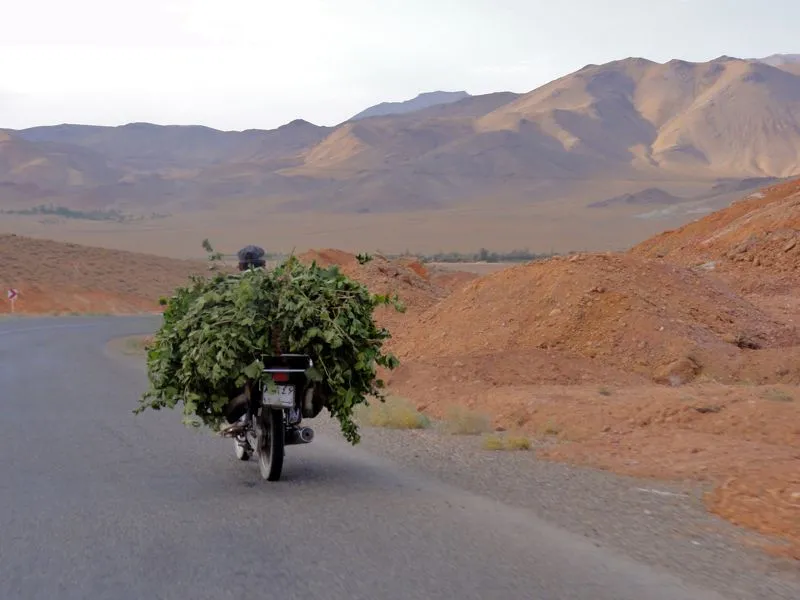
x: 282, y: 398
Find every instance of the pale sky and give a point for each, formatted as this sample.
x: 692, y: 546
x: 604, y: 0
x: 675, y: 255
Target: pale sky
x: 240, y: 64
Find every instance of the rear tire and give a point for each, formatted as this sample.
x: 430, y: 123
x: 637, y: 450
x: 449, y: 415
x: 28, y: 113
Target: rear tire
x: 271, y: 443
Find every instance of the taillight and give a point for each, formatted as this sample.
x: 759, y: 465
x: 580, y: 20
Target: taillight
x: 280, y: 377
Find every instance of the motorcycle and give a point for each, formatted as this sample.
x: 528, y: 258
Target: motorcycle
x: 268, y: 416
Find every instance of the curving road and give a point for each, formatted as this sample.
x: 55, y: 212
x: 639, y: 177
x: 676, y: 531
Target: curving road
x: 96, y: 503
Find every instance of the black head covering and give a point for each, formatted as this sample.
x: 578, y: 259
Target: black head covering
x: 251, y: 256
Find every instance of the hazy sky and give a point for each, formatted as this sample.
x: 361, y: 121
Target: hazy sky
x: 238, y: 64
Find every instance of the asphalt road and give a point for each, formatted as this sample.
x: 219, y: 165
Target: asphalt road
x: 96, y: 503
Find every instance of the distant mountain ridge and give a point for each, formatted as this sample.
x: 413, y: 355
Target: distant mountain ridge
x: 599, y: 133
x: 646, y: 197
x: 420, y: 102
x: 776, y: 60
x: 785, y: 62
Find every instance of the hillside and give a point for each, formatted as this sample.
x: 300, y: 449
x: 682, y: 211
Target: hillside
x: 655, y: 320
x: 623, y: 126
x: 727, y: 117
x: 754, y: 243
x: 37, y: 170
x: 53, y: 277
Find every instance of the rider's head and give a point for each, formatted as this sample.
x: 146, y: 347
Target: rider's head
x: 251, y: 256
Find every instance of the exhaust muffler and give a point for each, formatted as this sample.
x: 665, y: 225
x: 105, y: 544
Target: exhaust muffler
x: 301, y: 435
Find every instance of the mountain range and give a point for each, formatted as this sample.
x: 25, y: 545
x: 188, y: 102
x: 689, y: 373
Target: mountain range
x: 687, y: 130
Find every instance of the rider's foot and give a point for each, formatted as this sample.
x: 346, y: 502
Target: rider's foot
x: 242, y: 441
x: 231, y: 430
x: 234, y: 429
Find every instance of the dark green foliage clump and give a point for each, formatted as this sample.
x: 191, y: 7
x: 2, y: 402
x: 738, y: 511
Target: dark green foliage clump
x: 216, y: 331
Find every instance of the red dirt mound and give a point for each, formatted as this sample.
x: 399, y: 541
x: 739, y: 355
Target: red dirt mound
x: 381, y: 275
x: 57, y: 277
x: 754, y: 243
x: 329, y: 256
x: 635, y: 315
x: 449, y: 279
x: 407, y: 278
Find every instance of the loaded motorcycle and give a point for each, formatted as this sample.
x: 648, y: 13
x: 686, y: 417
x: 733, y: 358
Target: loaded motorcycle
x: 268, y: 415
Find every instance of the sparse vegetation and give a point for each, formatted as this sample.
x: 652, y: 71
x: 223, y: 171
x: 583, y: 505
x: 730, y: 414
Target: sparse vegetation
x: 394, y: 413
x: 512, y: 442
x: 493, y: 442
x: 463, y: 421
x: 743, y: 341
x: 518, y: 442
x: 85, y: 215
x: 551, y: 429
x: 483, y: 255
x: 777, y: 395
x: 708, y: 409
x: 604, y: 391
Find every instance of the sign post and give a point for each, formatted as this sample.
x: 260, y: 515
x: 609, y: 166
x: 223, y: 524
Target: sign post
x: 12, y: 297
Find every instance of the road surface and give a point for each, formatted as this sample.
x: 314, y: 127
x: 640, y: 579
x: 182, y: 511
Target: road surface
x: 96, y: 503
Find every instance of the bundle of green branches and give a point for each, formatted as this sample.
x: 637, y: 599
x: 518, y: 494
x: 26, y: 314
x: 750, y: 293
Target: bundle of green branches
x: 217, y: 330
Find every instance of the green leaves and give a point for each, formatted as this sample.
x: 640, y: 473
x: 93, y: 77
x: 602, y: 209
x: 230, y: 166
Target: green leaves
x: 254, y: 369
x: 215, y: 332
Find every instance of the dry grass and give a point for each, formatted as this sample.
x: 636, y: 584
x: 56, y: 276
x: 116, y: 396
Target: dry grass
x: 463, y: 421
x: 777, y: 395
x: 493, y: 442
x: 518, y: 442
x: 513, y: 442
x: 395, y: 413
x: 549, y: 429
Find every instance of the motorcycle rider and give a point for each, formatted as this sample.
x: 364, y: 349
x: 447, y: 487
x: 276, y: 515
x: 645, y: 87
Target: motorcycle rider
x: 250, y: 257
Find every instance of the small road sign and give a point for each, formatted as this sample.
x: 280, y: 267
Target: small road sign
x: 12, y: 297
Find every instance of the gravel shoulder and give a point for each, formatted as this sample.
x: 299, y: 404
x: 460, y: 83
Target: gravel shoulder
x: 661, y: 524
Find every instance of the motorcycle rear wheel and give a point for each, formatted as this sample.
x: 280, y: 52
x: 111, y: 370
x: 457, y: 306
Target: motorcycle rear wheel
x: 270, y: 441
